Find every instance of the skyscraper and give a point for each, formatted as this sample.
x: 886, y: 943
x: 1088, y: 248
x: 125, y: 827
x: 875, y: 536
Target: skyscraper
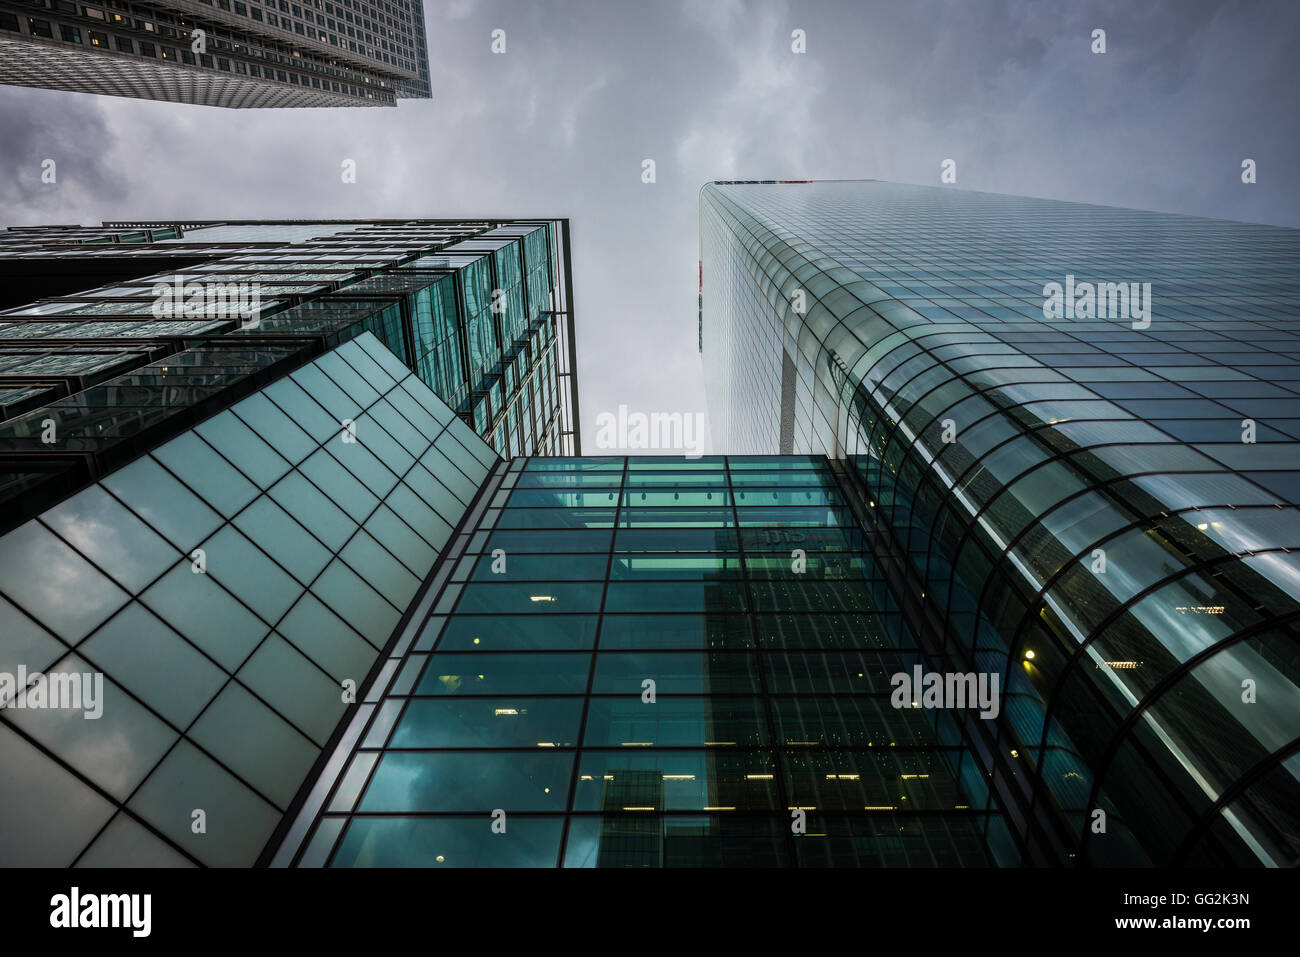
x: 233, y: 53
x: 1075, y: 434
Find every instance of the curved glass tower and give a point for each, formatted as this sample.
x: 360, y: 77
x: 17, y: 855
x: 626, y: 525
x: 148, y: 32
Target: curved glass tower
x: 1075, y: 431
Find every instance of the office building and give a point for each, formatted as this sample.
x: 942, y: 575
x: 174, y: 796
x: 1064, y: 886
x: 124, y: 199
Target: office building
x: 619, y: 665
x: 232, y: 453
x: 230, y: 53
x: 132, y: 331
x: 1075, y: 433
x: 347, y: 612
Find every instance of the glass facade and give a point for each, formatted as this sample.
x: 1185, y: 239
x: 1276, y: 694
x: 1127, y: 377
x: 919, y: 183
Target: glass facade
x: 618, y: 664
x: 1101, y: 507
x: 356, y: 599
x: 479, y: 310
x: 230, y: 587
x: 231, y: 454
x: 258, y: 53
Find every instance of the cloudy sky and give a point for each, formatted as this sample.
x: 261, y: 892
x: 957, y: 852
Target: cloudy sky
x: 560, y: 123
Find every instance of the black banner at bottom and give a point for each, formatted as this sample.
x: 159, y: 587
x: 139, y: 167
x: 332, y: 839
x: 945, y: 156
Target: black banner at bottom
x: 232, y: 907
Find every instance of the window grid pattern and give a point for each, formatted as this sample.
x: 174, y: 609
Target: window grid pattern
x: 227, y: 586
x: 115, y: 376
x: 523, y: 689
x: 924, y: 311
x: 256, y: 55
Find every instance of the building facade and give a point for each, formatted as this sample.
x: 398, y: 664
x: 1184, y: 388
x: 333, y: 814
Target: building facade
x: 232, y: 454
x: 301, y: 563
x: 1075, y: 433
x: 230, y: 53
x: 130, y: 332
x: 618, y: 664
x: 231, y: 589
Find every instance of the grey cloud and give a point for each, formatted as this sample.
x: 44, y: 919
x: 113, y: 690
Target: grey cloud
x: 36, y: 125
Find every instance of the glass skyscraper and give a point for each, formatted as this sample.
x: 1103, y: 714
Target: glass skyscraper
x: 231, y: 53
x: 1074, y: 432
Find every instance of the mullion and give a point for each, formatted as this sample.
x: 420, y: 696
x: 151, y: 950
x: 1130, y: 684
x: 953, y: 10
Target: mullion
x: 580, y: 741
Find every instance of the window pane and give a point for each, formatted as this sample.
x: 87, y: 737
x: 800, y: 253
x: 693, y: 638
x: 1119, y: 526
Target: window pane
x: 189, y: 779
x: 676, y: 722
x: 448, y: 842
x: 245, y: 734
x: 518, y: 633
x: 469, y: 781
x: 475, y: 674
x: 59, y: 588
x: 116, y: 749
x: 102, y: 530
x: 163, y: 502
x: 465, y: 722
x: 155, y: 663
x: 675, y: 673
x: 197, y: 465
x: 677, y: 781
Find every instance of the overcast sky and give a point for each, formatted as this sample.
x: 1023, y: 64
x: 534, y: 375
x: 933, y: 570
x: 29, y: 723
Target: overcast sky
x: 560, y: 123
